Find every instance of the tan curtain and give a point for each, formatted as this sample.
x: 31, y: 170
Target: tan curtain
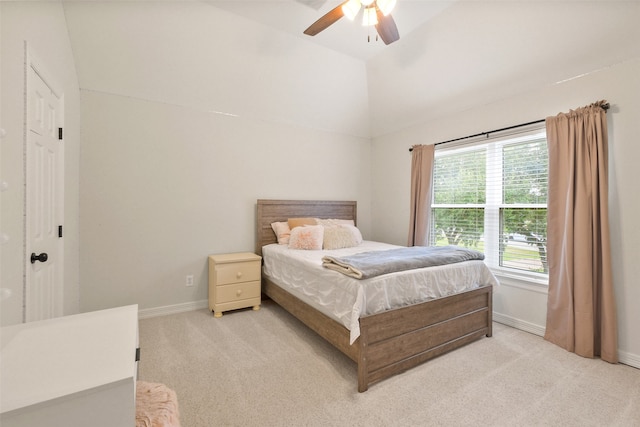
x: 581, y: 312
x: 421, y: 189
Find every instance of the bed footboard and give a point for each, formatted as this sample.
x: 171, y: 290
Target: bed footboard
x: 396, y: 340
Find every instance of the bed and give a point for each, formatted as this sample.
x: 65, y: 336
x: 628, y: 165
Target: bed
x: 388, y: 342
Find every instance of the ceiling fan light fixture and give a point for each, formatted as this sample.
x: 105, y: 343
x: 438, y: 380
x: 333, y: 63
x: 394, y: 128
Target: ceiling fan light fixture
x: 351, y: 9
x: 370, y: 17
x: 386, y: 6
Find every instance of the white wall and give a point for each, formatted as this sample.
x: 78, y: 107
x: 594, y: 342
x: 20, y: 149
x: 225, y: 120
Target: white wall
x: 42, y: 25
x: 190, y: 114
x: 198, y: 56
x: 526, y: 306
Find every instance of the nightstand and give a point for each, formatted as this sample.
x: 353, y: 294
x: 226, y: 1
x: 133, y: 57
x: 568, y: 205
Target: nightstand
x: 234, y: 282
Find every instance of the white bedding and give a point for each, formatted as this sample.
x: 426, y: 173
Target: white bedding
x: 346, y: 299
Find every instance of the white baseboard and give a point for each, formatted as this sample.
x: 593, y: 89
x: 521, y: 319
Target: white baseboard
x: 624, y: 357
x: 172, y: 309
x: 629, y: 359
x: 518, y: 324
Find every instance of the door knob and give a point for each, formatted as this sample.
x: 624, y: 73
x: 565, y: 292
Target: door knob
x: 43, y: 257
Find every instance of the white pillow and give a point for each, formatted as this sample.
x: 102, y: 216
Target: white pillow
x: 334, y: 222
x: 308, y: 237
x: 343, y: 236
x: 357, y: 235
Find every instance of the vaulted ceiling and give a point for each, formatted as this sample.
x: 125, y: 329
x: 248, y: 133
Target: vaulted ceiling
x: 453, y: 53
x: 351, y: 38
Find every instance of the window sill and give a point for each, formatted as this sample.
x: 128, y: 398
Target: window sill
x: 534, y: 283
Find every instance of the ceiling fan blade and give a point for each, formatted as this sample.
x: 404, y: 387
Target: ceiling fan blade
x: 325, y: 21
x: 387, y: 28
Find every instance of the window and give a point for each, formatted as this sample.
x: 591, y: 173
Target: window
x: 492, y: 197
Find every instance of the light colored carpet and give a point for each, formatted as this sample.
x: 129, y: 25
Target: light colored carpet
x: 264, y: 368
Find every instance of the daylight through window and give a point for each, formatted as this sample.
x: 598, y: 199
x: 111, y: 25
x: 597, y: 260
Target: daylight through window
x: 492, y: 196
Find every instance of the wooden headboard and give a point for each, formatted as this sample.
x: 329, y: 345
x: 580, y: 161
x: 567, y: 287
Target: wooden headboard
x: 280, y: 210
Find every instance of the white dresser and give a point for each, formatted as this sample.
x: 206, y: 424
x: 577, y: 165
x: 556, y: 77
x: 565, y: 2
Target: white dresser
x: 70, y: 371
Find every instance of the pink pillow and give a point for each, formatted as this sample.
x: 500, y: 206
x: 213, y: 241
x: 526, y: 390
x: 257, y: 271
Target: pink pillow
x: 308, y: 237
x: 282, y: 232
x: 300, y: 222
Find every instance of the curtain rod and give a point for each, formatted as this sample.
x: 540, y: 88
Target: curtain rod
x: 605, y: 107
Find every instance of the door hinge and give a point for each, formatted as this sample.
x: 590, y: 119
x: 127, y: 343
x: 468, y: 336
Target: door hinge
x: 60, y: 133
x: 137, y: 354
x: 59, y: 231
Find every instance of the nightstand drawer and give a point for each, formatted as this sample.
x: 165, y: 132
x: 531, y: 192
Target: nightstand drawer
x: 237, y: 272
x: 238, y: 291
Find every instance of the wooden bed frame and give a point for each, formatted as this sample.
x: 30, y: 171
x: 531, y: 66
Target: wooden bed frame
x: 390, y: 342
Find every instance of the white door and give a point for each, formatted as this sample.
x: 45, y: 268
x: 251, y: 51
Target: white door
x: 44, y: 197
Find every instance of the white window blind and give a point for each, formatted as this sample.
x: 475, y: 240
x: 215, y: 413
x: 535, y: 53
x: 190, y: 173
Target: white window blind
x: 492, y: 196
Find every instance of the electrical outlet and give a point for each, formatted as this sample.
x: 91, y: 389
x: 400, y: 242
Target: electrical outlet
x: 189, y: 281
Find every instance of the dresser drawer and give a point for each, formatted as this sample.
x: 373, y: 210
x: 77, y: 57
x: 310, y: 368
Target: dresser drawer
x: 247, y: 271
x: 237, y: 292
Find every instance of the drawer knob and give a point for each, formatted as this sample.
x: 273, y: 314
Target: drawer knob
x: 239, y: 274
x: 239, y: 292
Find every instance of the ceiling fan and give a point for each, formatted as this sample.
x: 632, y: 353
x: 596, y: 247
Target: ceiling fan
x: 375, y: 12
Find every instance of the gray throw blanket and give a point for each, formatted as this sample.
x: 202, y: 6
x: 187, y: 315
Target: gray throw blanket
x: 375, y: 263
